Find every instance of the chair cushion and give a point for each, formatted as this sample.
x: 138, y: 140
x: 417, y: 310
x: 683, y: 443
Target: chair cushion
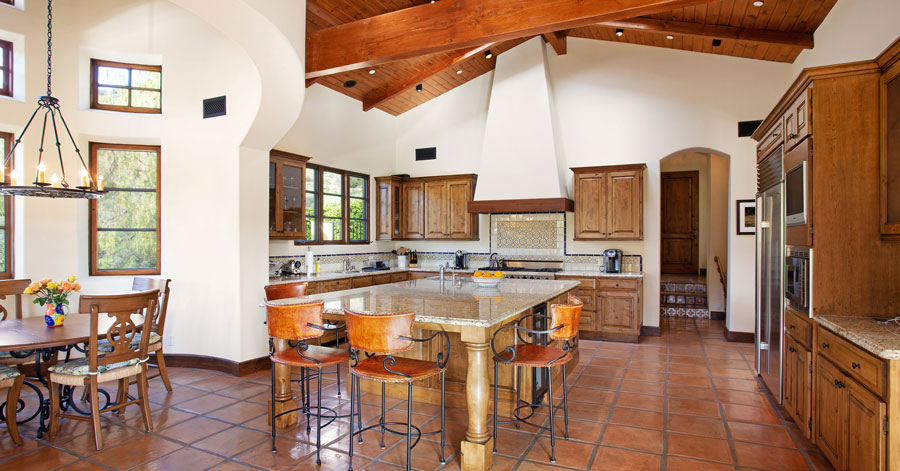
x: 104, y: 346
x: 21, y: 353
x: 325, y: 355
x: 534, y: 355
x: 373, y: 368
x: 81, y: 366
x: 7, y: 372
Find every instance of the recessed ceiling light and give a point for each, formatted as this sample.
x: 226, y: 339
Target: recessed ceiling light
x: 371, y: 71
x: 757, y: 3
x: 350, y: 84
x: 419, y: 87
x: 458, y: 71
x: 487, y: 54
x: 717, y: 42
x: 669, y: 36
x: 620, y: 31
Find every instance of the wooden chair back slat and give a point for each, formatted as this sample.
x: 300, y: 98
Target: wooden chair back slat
x: 13, y: 288
x: 162, y: 306
x: 286, y: 290
x: 379, y: 333
x: 567, y: 316
x: 291, y: 321
x: 123, y: 329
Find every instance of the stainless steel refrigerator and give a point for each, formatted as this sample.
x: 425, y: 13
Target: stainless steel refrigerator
x: 770, y: 272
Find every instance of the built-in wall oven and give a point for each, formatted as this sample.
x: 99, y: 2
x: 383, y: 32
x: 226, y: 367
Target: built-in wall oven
x: 797, y: 278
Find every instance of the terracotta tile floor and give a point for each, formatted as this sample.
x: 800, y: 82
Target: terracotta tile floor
x: 685, y: 401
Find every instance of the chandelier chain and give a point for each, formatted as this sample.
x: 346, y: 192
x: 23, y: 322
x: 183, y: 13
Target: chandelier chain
x: 49, y: 43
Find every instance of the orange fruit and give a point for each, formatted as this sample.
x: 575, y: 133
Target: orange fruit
x: 498, y: 274
x: 479, y: 274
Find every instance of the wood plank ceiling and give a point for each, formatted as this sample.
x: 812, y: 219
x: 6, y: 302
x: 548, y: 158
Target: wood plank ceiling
x: 726, y: 27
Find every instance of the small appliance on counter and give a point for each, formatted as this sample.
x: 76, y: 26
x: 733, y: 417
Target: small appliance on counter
x: 612, y: 261
x: 460, y: 260
x: 402, y: 257
x: 377, y: 265
x: 292, y: 267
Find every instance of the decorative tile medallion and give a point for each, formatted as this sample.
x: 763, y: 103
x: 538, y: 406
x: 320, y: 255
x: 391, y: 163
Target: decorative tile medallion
x: 528, y: 236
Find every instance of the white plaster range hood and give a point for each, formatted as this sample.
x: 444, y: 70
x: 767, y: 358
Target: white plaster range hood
x: 519, y: 170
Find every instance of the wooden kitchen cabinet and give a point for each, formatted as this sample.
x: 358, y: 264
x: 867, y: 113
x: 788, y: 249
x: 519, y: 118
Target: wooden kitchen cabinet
x: 609, y: 202
x: 612, y: 307
x: 287, y: 195
x: 426, y: 208
x: 388, y: 203
x: 797, y: 385
x: 797, y: 119
x: 890, y: 142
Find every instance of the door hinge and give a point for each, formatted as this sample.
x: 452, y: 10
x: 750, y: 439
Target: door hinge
x: 810, y: 423
x: 885, y: 421
x: 810, y: 366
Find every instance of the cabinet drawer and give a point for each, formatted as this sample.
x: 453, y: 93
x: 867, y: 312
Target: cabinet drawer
x: 871, y: 372
x: 586, y: 283
x: 586, y: 321
x: 773, y: 138
x: 799, y: 327
x: 381, y: 279
x: 312, y: 288
x: 395, y: 277
x: 588, y: 296
x: 361, y: 281
x: 334, y: 285
x: 606, y: 283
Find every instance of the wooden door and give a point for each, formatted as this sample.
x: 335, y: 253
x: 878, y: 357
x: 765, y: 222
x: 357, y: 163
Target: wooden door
x: 413, y: 210
x: 865, y: 436
x: 383, y: 206
x: 830, y: 411
x: 625, y: 216
x: 436, y: 205
x: 617, y: 311
x: 591, y: 193
x: 459, y: 220
x: 680, y: 221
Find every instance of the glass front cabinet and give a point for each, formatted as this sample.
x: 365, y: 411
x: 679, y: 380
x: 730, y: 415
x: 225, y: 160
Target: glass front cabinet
x: 287, y: 211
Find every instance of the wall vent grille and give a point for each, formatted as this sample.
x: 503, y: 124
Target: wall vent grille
x: 768, y: 172
x: 213, y: 107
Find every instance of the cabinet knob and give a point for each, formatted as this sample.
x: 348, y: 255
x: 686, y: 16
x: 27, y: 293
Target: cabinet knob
x: 792, y: 136
x: 855, y: 365
x: 839, y: 384
x: 791, y: 327
x: 825, y: 345
x: 617, y: 285
x: 792, y: 349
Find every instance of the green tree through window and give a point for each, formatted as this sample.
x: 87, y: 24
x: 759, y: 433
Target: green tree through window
x: 125, y: 223
x: 337, y: 206
x: 6, y: 215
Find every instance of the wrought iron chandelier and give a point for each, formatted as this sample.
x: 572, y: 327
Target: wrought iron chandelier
x: 54, y: 187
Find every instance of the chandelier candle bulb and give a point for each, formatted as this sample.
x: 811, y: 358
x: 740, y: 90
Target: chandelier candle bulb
x: 85, y: 182
x: 42, y: 173
x: 54, y: 179
x: 99, y: 182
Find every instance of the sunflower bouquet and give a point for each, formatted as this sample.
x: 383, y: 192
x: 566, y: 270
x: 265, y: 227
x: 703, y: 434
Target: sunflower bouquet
x: 54, y: 295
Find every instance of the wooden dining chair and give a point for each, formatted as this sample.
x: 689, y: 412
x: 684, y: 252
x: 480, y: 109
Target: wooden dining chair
x: 380, y: 336
x: 531, y: 351
x: 12, y: 379
x: 299, y: 323
x: 126, y: 359
x: 14, y: 288
x: 159, y: 323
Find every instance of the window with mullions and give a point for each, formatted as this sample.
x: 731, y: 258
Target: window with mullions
x: 6, y: 216
x: 6, y: 69
x: 337, y: 206
x: 124, y: 224
x: 132, y: 88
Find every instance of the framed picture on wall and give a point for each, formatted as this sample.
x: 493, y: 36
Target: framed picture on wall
x: 746, y: 217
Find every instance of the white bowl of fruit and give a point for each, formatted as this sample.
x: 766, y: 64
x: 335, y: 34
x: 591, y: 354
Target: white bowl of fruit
x: 487, y: 279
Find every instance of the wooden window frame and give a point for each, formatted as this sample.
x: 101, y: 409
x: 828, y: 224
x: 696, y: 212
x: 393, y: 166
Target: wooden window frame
x: 92, y: 227
x: 7, y: 70
x: 9, y: 201
x: 9, y: 2
x: 345, y: 207
x: 95, y: 66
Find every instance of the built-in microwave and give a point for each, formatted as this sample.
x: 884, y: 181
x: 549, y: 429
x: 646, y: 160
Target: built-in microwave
x: 795, y: 195
x: 797, y: 282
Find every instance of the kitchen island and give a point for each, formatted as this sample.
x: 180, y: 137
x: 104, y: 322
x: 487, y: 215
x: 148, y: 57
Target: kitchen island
x: 470, y: 315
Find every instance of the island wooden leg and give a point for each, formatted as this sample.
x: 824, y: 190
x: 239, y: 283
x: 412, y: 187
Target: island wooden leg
x: 284, y: 396
x: 478, y: 445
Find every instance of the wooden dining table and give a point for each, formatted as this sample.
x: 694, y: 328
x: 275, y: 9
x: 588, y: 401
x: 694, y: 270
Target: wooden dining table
x: 45, y: 344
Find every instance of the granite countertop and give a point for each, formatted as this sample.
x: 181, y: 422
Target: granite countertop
x: 599, y: 274
x: 460, y: 303
x: 878, y: 339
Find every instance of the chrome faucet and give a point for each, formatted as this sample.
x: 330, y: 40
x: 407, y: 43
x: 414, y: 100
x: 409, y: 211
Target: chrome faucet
x: 495, y: 261
x: 347, y: 266
x: 443, y: 267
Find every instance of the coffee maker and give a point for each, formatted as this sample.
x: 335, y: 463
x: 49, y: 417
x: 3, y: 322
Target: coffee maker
x: 459, y: 260
x: 612, y: 260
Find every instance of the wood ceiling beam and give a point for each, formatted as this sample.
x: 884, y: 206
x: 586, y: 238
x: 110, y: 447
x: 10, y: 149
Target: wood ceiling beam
x: 377, y: 97
x: 804, y: 40
x: 446, y: 26
x: 315, y: 9
x: 557, y: 40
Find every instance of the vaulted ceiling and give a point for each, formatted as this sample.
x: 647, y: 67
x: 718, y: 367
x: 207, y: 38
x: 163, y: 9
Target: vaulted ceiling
x: 384, y: 78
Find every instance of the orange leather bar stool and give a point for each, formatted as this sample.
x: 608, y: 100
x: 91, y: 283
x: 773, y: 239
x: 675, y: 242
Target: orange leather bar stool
x: 298, y: 323
x: 531, y: 350
x: 380, y: 336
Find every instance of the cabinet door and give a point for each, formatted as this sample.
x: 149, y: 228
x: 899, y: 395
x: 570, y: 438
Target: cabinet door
x: 796, y: 120
x: 396, y: 210
x: 436, y: 205
x: 273, y: 199
x: 413, y: 210
x: 625, y: 215
x: 591, y: 193
x: 288, y: 199
x: 865, y: 436
x: 830, y: 411
x: 617, y: 311
x: 383, y: 215
x: 797, y: 383
x: 459, y: 223
x: 890, y: 152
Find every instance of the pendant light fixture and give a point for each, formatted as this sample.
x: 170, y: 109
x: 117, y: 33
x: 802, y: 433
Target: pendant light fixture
x: 54, y: 187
